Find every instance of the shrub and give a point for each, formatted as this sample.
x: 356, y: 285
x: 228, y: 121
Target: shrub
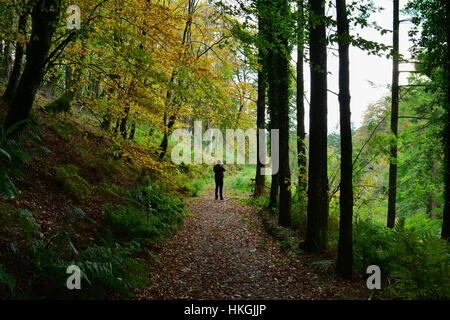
x: 13, y: 154
x: 106, y: 272
x: 149, y: 214
x: 371, y: 242
x: 78, y: 186
x: 420, y: 265
x: 7, y: 280
x: 416, y: 265
x: 195, y: 187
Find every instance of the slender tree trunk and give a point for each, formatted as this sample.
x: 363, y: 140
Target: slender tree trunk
x: 123, y: 123
x: 274, y: 122
x: 44, y: 22
x: 18, y: 60
x: 7, y: 60
x: 345, y: 247
x: 301, y: 134
x: 317, y: 227
x: 394, y: 120
x: 116, y: 127
x: 432, y: 203
x: 260, y: 179
x: 282, y: 54
x: 445, y: 234
x: 132, y: 131
x: 167, y: 132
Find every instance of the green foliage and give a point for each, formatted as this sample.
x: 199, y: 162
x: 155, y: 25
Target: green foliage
x: 262, y: 202
x: 298, y: 212
x: 110, y: 269
x: 106, y: 271
x: 63, y: 128
x: 78, y: 186
x: 415, y: 263
x: 423, y: 224
x: 149, y: 214
x: 109, y: 167
x: 13, y: 155
x: 241, y: 184
x: 195, y: 187
x: 61, y: 104
x: 371, y: 242
x: 7, y: 280
x: 420, y: 265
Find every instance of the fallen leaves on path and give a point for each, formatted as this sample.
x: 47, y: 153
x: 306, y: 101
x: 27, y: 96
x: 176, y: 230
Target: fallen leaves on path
x: 223, y: 252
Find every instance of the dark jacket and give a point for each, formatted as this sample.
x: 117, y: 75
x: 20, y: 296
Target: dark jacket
x: 218, y: 172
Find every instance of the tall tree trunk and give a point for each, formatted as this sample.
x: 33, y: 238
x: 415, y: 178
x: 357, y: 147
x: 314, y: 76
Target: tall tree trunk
x: 301, y: 134
x: 123, y: 123
x: 7, y: 59
x: 132, y: 131
x: 18, y: 60
x: 345, y: 247
x: 282, y: 66
x: 445, y: 234
x: 167, y: 132
x: 274, y: 122
x: 260, y: 179
x: 432, y: 203
x: 317, y: 227
x: 44, y: 20
x: 394, y: 120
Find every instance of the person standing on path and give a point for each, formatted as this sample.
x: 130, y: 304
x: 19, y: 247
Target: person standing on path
x: 218, y: 177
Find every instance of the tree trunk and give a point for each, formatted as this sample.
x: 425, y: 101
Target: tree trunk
x: 394, y: 121
x: 345, y: 247
x: 432, y: 203
x: 282, y: 66
x: 132, y: 131
x: 7, y: 59
x: 301, y: 134
x: 260, y: 179
x: 44, y: 22
x: 317, y: 227
x: 445, y: 234
x: 123, y: 123
x: 167, y: 132
x: 274, y: 122
x: 18, y: 60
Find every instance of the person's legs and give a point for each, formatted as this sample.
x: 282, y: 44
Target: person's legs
x: 217, y: 187
x: 221, y: 189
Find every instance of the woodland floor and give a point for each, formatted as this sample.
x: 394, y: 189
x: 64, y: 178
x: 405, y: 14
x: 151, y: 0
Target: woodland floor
x: 223, y: 252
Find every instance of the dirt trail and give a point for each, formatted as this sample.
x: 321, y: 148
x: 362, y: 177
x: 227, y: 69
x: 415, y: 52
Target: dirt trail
x: 223, y: 252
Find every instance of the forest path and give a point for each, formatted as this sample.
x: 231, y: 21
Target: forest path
x: 223, y: 252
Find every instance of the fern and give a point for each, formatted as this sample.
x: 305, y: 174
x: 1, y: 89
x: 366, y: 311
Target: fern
x: 13, y: 154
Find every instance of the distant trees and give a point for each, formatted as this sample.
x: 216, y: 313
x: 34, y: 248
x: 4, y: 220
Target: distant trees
x: 18, y: 57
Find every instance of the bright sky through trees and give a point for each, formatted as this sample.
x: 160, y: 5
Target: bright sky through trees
x: 370, y: 75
